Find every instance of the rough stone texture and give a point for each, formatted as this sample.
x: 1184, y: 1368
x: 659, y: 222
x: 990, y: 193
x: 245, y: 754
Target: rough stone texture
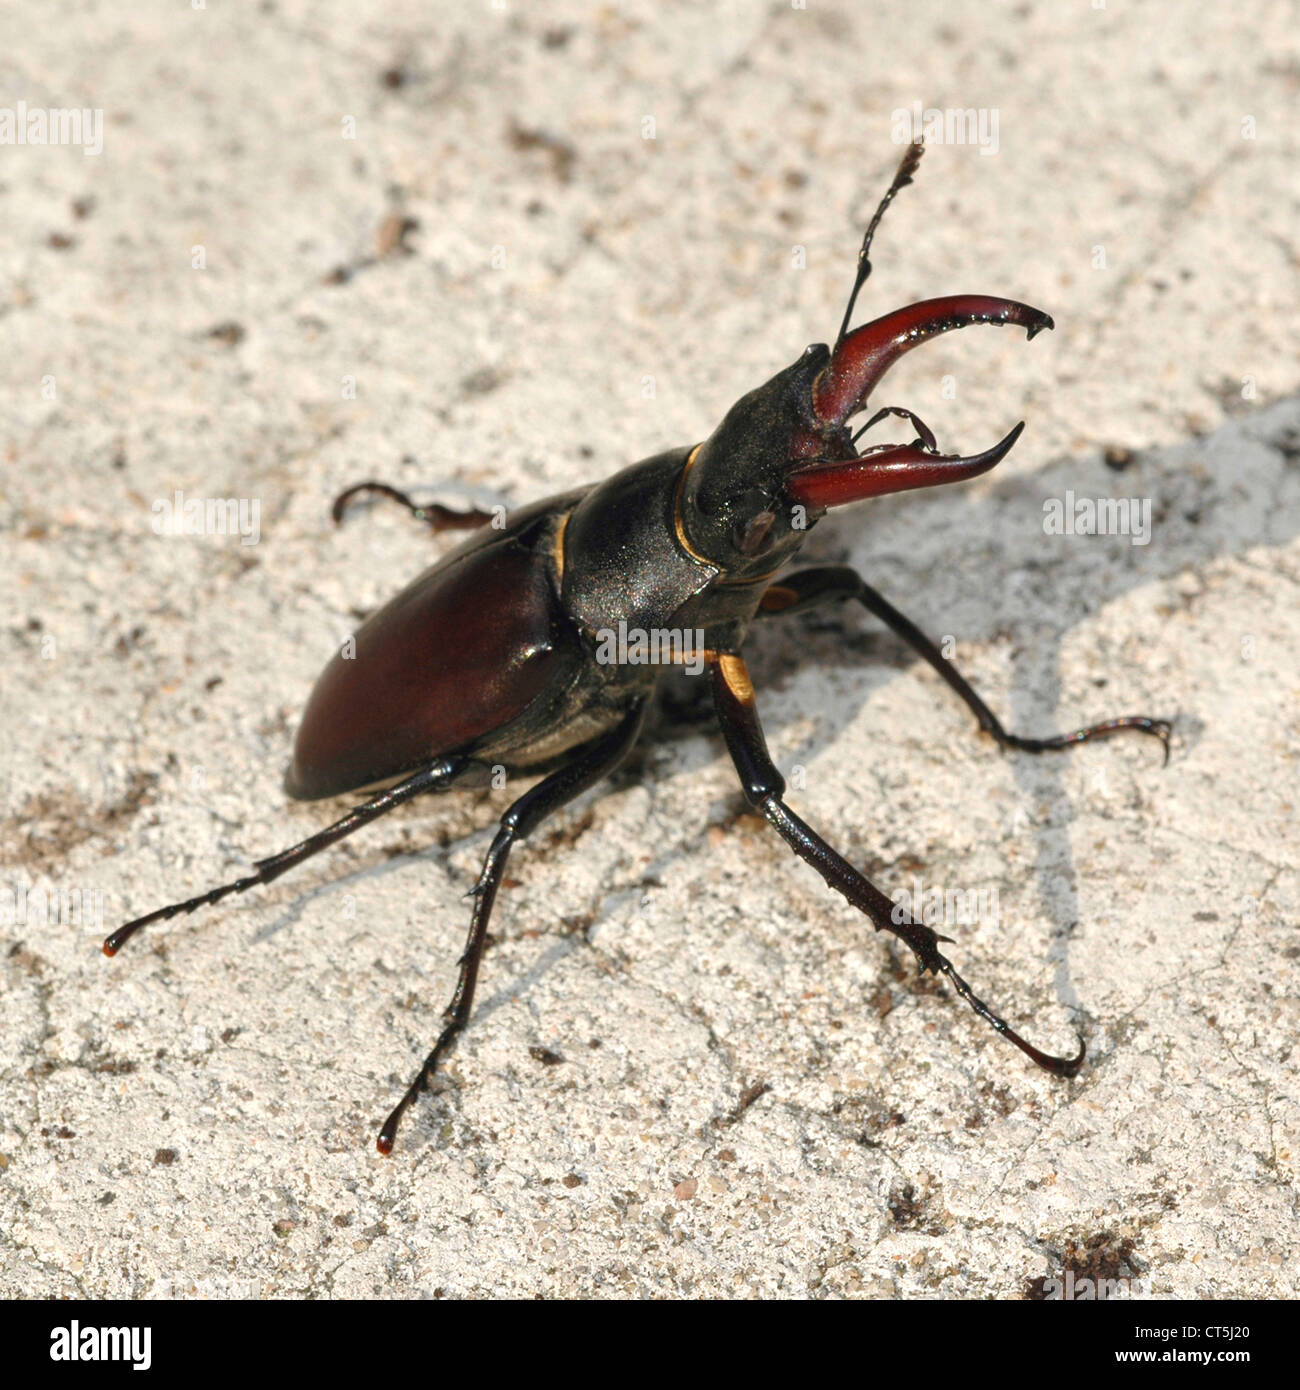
x: 196, y: 1118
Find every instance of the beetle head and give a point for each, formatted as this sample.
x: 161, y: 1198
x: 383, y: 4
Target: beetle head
x: 733, y: 505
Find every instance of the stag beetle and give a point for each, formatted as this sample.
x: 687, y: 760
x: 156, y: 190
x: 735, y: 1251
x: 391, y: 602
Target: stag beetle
x: 492, y: 657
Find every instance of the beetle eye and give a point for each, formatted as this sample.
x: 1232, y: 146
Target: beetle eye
x: 754, y: 533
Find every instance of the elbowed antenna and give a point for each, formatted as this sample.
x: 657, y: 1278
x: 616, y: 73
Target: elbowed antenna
x: 907, y: 167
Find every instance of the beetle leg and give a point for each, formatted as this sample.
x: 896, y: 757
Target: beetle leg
x: 435, y: 778
x: 807, y: 587
x: 439, y: 518
x: 733, y: 696
x: 524, y: 816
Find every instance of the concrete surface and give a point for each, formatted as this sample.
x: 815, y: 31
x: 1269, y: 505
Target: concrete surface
x: 196, y: 1117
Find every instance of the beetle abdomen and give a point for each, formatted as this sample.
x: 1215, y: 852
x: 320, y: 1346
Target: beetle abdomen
x: 459, y: 653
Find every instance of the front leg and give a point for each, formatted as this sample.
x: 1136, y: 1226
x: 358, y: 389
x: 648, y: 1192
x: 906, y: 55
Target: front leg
x: 733, y: 697
x: 807, y: 587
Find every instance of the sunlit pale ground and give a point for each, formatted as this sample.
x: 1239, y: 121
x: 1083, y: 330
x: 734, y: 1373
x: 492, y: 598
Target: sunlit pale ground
x: 490, y: 255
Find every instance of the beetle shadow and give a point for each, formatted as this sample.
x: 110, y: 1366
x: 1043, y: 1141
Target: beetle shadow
x: 1210, y: 496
